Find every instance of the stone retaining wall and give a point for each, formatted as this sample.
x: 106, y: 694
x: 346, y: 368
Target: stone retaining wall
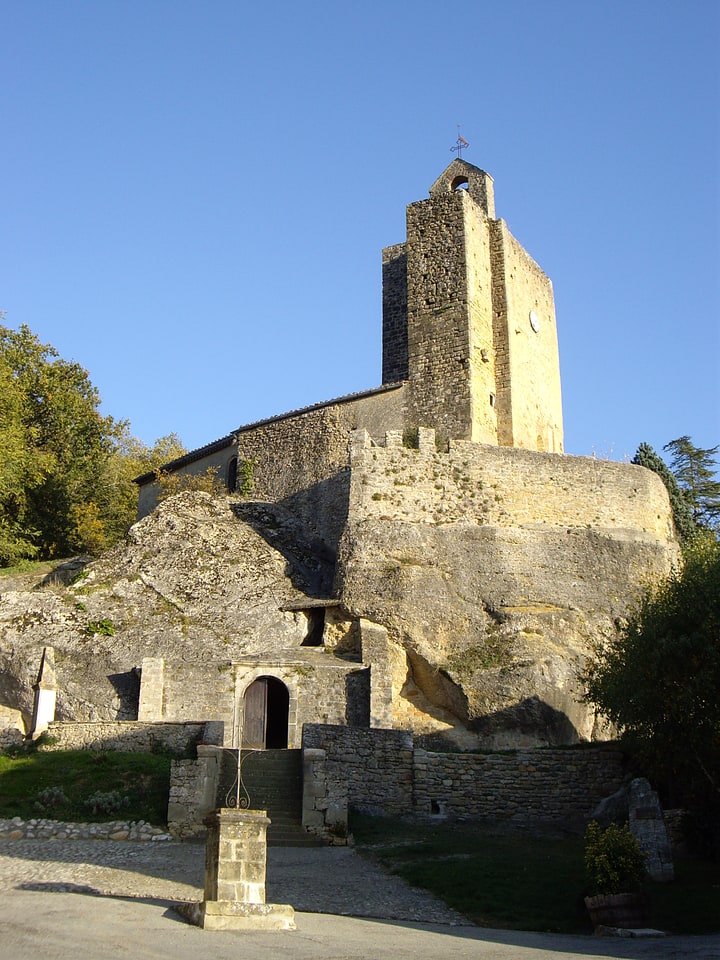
x: 381, y: 772
x: 125, y: 735
x: 374, y: 767
x: 18, y: 829
x: 562, y: 786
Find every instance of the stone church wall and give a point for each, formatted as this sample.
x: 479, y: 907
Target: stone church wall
x: 300, y: 459
x: 330, y: 691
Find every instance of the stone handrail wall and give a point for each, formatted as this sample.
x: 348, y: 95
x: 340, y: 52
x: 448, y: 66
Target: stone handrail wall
x: 129, y: 736
x: 193, y: 792
x: 372, y: 767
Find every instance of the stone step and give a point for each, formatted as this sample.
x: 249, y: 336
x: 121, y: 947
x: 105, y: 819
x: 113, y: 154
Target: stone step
x: 273, y: 780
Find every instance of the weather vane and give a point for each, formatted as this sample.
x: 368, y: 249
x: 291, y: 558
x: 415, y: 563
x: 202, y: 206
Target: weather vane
x: 460, y: 145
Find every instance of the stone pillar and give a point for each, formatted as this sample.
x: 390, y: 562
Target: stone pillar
x: 235, y: 861
x: 235, y: 855
x: 45, y: 694
x: 193, y: 791
x: 375, y: 649
x: 152, y: 678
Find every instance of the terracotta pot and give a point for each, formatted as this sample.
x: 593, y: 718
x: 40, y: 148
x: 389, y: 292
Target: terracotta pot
x: 616, y: 910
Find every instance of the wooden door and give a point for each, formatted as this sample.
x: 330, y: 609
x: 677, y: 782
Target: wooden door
x: 255, y: 715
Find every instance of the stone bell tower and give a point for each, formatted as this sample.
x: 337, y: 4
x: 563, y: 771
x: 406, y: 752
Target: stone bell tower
x: 469, y: 321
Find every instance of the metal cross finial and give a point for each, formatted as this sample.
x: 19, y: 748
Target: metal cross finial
x: 460, y: 145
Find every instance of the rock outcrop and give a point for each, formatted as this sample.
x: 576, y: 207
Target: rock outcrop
x: 490, y: 572
x: 200, y: 579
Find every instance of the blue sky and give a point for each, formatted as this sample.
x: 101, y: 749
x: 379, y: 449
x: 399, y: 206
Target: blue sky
x: 195, y: 194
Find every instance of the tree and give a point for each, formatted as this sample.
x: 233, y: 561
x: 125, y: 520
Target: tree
x: 58, y: 441
x: 66, y: 470
x: 658, y: 681
x: 685, y: 526
x: 22, y: 468
x: 117, y: 494
x: 695, y: 471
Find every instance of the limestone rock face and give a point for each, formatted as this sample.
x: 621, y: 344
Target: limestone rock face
x: 494, y: 571
x: 200, y: 578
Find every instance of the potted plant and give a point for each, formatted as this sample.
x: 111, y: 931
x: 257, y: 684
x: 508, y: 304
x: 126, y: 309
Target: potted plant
x: 615, y: 867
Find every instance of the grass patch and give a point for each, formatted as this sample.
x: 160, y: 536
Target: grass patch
x: 525, y: 880
x: 23, y: 567
x: 141, y: 777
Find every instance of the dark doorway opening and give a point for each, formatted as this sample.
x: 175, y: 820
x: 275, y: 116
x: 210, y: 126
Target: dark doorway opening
x: 316, y: 627
x: 265, y: 723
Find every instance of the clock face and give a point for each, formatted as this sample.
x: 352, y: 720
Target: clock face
x: 534, y: 322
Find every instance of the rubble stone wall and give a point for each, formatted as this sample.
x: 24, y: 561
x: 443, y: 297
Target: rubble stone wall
x: 382, y: 772
x: 562, y: 786
x: 126, y: 735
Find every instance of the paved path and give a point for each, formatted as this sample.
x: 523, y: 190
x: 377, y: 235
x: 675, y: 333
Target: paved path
x: 313, y: 879
x: 88, y: 900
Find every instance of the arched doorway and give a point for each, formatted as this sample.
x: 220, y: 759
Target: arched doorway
x: 265, y: 715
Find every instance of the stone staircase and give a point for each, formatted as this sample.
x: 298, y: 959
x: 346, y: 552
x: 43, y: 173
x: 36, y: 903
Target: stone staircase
x: 273, y: 781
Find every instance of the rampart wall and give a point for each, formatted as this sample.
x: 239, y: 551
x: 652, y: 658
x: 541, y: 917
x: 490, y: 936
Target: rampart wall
x: 509, y: 487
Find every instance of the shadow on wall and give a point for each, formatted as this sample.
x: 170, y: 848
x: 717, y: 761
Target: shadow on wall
x: 305, y: 528
x: 127, y: 687
x: 357, y: 698
x: 529, y: 722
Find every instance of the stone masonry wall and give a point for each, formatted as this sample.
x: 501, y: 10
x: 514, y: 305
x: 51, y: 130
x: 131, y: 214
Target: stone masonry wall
x: 562, y: 786
x: 495, y: 569
x: 125, y: 735
x: 438, y: 328
x: 321, y: 688
x: 300, y: 459
x: 373, y: 768
x: 381, y: 772
x: 528, y: 365
x: 40, y: 829
x: 193, y: 792
x: 394, y: 305
x: 497, y: 486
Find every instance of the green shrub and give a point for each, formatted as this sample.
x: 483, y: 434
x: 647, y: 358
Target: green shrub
x: 614, y: 862
x: 104, y: 627
x: 49, y: 799
x: 107, y: 803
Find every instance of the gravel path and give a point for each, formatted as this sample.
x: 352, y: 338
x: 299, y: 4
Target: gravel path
x: 333, y: 880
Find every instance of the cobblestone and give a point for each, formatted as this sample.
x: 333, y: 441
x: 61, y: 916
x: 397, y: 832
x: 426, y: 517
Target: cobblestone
x: 333, y: 880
